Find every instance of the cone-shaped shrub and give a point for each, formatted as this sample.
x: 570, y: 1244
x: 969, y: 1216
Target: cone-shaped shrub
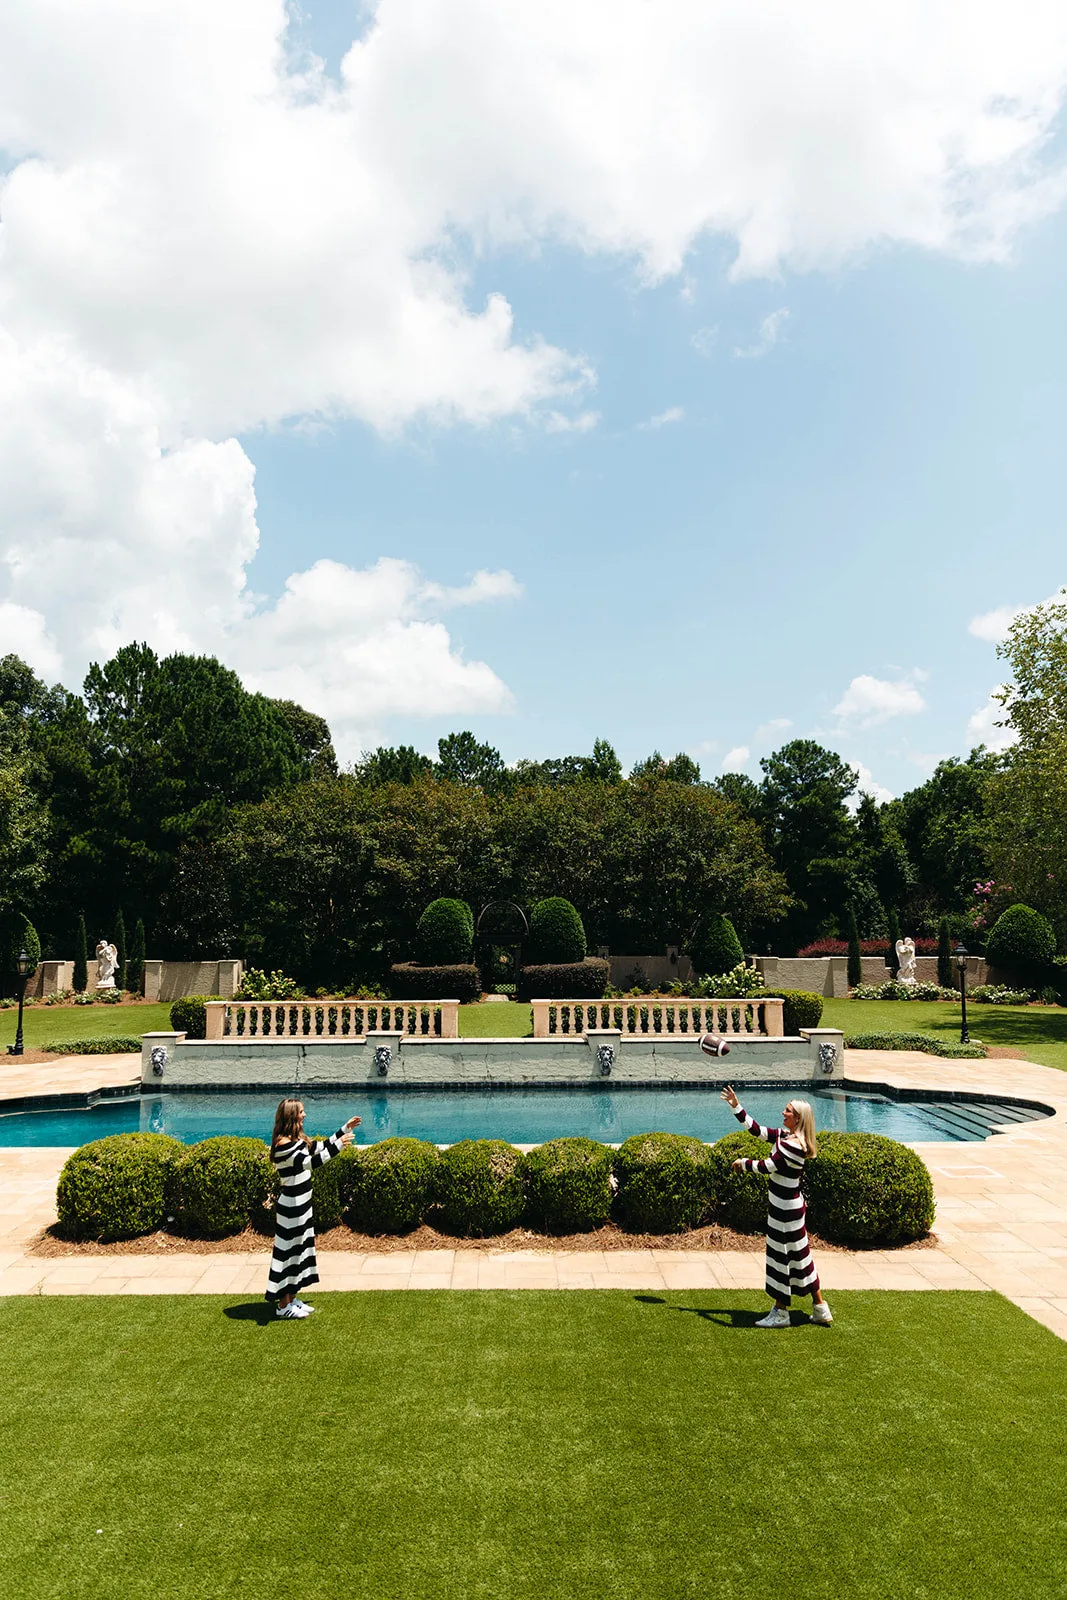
x: 855, y: 955
x: 81, y: 958
x: 135, y: 962
x: 715, y: 947
x: 556, y: 933
x: 120, y: 946
x: 19, y: 935
x: 946, y: 972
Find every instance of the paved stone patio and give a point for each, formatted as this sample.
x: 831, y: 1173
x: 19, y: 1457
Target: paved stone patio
x: 1001, y: 1216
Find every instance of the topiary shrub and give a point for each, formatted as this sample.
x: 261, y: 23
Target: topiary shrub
x: 18, y: 934
x: 742, y: 1195
x: 802, y: 1009
x: 715, y: 947
x: 1021, y: 941
x: 569, y: 980
x: 479, y: 1188
x: 445, y: 934
x: 568, y: 1185
x: 666, y: 1183
x: 865, y: 1189
x: 556, y: 933
x: 410, y: 982
x: 390, y: 1186
x: 188, y: 1016
x: 116, y: 1188
x: 221, y: 1185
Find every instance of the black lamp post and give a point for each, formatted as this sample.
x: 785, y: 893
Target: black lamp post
x: 24, y: 965
x: 959, y: 955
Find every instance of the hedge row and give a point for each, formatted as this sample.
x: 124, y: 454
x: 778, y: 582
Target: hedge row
x: 120, y: 1046
x: 861, y: 1187
x: 925, y: 1042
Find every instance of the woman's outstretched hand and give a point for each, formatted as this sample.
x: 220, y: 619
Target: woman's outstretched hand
x: 730, y: 1098
x: 353, y: 1122
x: 738, y: 1165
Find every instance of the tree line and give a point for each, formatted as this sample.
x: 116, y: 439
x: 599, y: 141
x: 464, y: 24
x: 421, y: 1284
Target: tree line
x: 219, y: 818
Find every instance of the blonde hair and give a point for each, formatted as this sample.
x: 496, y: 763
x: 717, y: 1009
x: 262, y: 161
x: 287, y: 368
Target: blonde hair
x: 805, y: 1130
x: 287, y: 1122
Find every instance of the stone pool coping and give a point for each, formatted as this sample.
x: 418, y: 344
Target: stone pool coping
x: 1001, y: 1214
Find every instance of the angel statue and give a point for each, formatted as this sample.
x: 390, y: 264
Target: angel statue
x: 107, y: 961
x: 906, y: 960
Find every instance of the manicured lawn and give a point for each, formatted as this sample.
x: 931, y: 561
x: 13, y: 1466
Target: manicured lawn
x: 495, y: 1021
x: 1039, y: 1031
x: 43, y: 1025
x: 510, y: 1446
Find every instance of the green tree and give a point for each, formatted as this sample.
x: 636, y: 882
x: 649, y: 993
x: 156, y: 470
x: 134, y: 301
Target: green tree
x: 811, y: 834
x: 81, y: 957
x: 135, y: 964
x: 715, y: 948
x: 943, y: 825
x: 946, y: 975
x: 311, y: 735
x: 389, y: 764
x: 855, y: 955
x: 119, y: 936
x: 679, y: 769
x: 462, y: 759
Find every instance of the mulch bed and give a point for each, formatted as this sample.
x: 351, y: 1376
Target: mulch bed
x: 252, y: 1241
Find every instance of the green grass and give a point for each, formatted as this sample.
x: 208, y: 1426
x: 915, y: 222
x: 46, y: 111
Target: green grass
x: 1040, y: 1032
x: 514, y: 1446
x: 43, y: 1025
x: 495, y: 1021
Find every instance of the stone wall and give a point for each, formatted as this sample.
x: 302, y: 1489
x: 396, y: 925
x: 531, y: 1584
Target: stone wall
x: 655, y: 971
x: 171, y: 980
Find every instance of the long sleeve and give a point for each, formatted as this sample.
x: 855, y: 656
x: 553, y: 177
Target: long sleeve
x: 769, y: 1134
x: 326, y: 1149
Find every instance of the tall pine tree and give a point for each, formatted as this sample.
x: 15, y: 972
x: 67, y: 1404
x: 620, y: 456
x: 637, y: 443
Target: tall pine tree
x: 120, y: 946
x: 855, y: 956
x: 135, y: 963
x: 81, y: 958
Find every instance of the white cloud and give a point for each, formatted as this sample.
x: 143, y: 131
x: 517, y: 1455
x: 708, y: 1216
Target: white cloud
x: 705, y: 340
x: 992, y: 626
x: 735, y: 759
x: 982, y: 727
x: 199, y: 241
x: 773, y: 729
x: 866, y: 784
x: 770, y: 331
x: 868, y: 701
x: 663, y: 419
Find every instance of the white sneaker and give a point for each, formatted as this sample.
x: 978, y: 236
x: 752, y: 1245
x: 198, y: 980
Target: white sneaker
x: 821, y: 1314
x: 775, y: 1318
x: 292, y: 1312
x: 305, y: 1307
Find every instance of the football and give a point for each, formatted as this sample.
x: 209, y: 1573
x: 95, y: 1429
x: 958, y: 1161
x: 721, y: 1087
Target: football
x: 713, y: 1044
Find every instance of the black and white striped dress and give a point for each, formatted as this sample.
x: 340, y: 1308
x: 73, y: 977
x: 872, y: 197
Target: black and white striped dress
x: 790, y: 1269
x: 293, y: 1265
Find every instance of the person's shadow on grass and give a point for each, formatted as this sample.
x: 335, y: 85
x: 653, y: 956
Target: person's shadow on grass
x: 255, y: 1311
x: 723, y: 1318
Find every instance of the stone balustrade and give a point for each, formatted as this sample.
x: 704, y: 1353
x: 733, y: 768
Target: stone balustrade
x: 331, y: 1019
x: 649, y: 1018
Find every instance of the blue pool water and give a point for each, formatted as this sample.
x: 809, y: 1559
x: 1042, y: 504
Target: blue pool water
x: 523, y: 1116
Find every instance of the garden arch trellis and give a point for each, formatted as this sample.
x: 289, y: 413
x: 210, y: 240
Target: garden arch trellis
x: 499, y: 933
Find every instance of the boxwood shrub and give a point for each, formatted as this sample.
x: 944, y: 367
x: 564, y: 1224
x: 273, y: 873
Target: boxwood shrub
x: 802, y: 1009
x: 865, y: 1189
x: 116, y: 1188
x: 715, y: 947
x: 119, y: 1046
x: 666, y: 1183
x: 188, y: 1016
x: 445, y: 934
x: 1021, y: 942
x: 742, y: 1196
x: 219, y: 1186
x: 479, y: 1188
x: 390, y: 1186
x: 565, y: 980
x: 928, y: 1043
x: 568, y: 1185
x: 411, y: 982
x: 556, y: 933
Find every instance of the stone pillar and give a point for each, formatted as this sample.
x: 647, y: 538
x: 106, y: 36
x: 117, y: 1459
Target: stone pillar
x: 154, y: 1072
x: 153, y: 979
x: 827, y: 1051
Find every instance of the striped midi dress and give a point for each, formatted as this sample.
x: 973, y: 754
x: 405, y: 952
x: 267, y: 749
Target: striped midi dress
x: 790, y: 1269
x: 293, y: 1265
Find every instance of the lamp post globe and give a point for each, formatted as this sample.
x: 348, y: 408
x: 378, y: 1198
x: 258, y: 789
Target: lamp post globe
x: 959, y: 955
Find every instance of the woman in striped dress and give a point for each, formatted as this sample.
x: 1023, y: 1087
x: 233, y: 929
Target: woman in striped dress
x: 292, y: 1266
x: 790, y: 1269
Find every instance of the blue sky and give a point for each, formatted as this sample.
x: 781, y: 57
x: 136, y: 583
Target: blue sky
x: 745, y: 495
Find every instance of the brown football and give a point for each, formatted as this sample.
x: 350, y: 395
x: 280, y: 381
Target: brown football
x: 713, y: 1044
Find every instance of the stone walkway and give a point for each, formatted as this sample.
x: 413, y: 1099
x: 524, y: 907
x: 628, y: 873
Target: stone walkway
x: 1001, y: 1217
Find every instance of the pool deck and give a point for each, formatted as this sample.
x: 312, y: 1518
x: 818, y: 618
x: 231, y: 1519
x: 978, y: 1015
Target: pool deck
x: 1001, y: 1216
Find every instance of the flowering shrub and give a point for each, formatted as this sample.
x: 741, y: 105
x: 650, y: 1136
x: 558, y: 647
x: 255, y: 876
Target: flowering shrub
x: 256, y: 985
x: 737, y: 984
x: 892, y: 990
x: 868, y: 947
x: 998, y: 994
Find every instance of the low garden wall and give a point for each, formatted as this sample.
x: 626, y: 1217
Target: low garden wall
x: 172, y: 1061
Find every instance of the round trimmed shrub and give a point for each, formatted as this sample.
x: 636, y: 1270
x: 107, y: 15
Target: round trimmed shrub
x: 802, y: 1009
x: 715, y: 947
x: 445, y: 934
x: 568, y: 1185
x: 116, y: 1188
x: 742, y: 1195
x: 863, y: 1188
x: 556, y: 933
x: 666, y: 1182
x: 326, y: 1187
x: 188, y: 1016
x: 221, y: 1185
x: 1021, y: 941
x: 390, y: 1186
x: 479, y: 1187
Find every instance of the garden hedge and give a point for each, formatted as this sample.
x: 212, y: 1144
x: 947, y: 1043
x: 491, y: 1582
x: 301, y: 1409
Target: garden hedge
x: 715, y: 947
x: 564, y: 980
x: 389, y: 1187
x: 802, y: 1009
x: 1021, y: 942
x: 445, y: 934
x: 121, y: 1045
x: 666, y: 1183
x: 742, y: 1196
x: 116, y: 1188
x: 568, y: 1185
x: 479, y: 1188
x: 219, y: 1186
x: 863, y: 1188
x: 410, y: 982
x: 188, y: 1015
x: 925, y: 1042
x: 556, y: 933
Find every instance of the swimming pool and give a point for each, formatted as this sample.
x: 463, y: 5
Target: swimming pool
x: 521, y: 1115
